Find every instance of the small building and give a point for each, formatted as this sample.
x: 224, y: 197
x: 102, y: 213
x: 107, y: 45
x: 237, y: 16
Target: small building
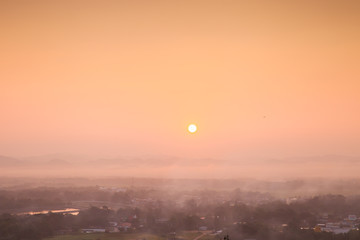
x: 113, y: 224
x: 203, y: 228
x: 341, y: 230
x: 112, y: 229
x: 125, y: 226
x: 162, y: 220
x: 93, y: 230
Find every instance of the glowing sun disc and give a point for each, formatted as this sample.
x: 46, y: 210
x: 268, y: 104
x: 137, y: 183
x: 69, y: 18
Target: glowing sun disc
x: 192, y: 128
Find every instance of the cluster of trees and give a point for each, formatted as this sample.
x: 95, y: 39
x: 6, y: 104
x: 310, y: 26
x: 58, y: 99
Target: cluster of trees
x: 8, y: 204
x: 49, y: 197
x: 45, y: 198
x: 36, y: 227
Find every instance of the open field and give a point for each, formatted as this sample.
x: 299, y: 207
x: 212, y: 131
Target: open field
x: 188, y: 235
x: 107, y: 236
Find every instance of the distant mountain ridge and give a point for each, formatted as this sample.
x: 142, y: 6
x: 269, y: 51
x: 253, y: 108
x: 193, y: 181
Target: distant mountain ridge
x: 335, y: 166
x: 10, y: 161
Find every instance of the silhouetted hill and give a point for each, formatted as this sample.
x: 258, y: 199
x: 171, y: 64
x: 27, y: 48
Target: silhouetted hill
x: 9, y: 161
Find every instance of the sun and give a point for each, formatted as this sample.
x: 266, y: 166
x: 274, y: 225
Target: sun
x: 192, y: 128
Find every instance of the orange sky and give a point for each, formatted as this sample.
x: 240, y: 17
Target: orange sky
x: 262, y: 79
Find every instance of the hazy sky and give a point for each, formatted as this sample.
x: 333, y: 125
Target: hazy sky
x: 261, y: 79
